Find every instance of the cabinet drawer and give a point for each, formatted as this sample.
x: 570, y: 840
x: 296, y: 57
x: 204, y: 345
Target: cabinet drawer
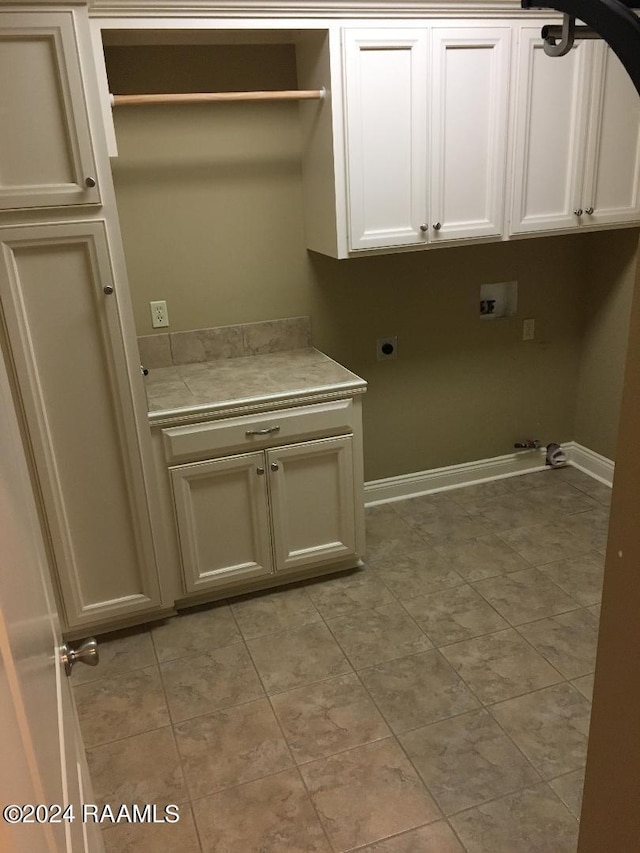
x: 249, y: 432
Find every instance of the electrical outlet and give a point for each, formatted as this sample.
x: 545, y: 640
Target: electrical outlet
x: 387, y: 348
x: 159, y: 314
x: 528, y: 330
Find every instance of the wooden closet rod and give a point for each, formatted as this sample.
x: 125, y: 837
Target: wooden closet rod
x: 217, y: 97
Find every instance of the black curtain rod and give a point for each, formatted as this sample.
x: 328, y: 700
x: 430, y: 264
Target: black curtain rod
x: 613, y: 20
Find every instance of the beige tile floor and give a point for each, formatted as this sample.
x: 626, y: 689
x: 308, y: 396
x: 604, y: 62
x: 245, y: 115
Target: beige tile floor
x: 436, y: 701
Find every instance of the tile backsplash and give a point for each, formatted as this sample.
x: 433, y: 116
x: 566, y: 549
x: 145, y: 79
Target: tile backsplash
x: 196, y: 345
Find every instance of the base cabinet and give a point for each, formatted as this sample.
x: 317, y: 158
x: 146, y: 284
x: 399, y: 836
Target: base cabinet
x: 280, y: 510
x: 223, y: 520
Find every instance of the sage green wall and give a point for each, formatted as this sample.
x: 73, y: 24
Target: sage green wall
x: 210, y: 203
x: 611, y: 277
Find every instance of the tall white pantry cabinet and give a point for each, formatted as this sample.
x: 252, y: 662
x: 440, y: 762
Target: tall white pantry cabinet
x: 67, y: 332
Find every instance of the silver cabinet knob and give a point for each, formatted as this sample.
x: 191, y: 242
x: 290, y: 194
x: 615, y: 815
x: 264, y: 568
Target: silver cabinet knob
x: 108, y: 289
x: 437, y: 226
x: 87, y: 652
x: 274, y: 466
x: 424, y: 227
x: 589, y: 211
x: 90, y: 182
x: 260, y: 470
x: 578, y: 212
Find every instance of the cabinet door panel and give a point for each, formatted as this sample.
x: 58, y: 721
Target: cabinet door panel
x: 312, y: 502
x: 470, y: 75
x: 552, y: 103
x: 65, y: 341
x: 45, y: 145
x: 386, y: 79
x: 223, y: 521
x: 613, y: 170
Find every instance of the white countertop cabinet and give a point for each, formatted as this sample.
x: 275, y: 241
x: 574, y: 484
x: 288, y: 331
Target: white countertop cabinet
x: 291, y: 508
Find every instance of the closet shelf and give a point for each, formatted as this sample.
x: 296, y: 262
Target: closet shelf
x: 217, y: 97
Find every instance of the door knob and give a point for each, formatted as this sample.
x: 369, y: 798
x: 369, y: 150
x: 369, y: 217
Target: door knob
x: 274, y: 466
x: 578, y: 212
x: 437, y: 226
x: 108, y: 289
x: 589, y: 211
x: 90, y: 182
x: 87, y: 652
x: 424, y: 228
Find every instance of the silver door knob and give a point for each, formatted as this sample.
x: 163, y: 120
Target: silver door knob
x: 589, y: 211
x: 260, y: 471
x: 87, y: 652
x: 424, y: 227
x: 437, y: 226
x: 578, y: 212
x: 108, y: 289
x: 274, y: 466
x: 90, y: 182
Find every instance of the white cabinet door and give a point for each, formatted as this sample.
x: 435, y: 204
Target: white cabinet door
x: 613, y: 157
x: 66, y: 343
x: 469, y: 99
x: 551, y: 123
x: 46, y: 154
x: 312, y: 502
x: 386, y: 130
x: 223, y: 520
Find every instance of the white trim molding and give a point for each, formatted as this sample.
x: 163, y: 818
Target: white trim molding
x: 453, y: 476
x: 590, y: 462
x: 483, y: 471
x: 336, y: 9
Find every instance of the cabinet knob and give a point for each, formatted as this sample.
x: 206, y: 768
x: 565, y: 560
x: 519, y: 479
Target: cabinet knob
x: 90, y: 182
x: 578, y: 212
x: 260, y: 470
x: 424, y: 227
x: 274, y: 466
x: 589, y: 211
x: 108, y: 289
x: 437, y: 226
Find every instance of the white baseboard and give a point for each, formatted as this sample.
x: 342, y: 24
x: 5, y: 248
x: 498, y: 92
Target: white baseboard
x: 590, y: 462
x: 482, y: 471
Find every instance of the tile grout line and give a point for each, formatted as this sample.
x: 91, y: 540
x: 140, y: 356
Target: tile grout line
x: 286, y: 742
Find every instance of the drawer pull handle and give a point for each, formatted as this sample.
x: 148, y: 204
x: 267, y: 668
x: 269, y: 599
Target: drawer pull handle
x: 265, y: 431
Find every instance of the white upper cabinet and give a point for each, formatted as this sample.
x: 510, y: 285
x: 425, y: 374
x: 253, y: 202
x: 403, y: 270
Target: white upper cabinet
x: 462, y: 130
x: 386, y: 133
x: 46, y: 155
x: 551, y: 123
x: 415, y: 173
x: 469, y: 87
x: 612, y: 174
x: 577, y: 139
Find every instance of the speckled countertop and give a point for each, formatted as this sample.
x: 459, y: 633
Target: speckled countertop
x: 226, y: 384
